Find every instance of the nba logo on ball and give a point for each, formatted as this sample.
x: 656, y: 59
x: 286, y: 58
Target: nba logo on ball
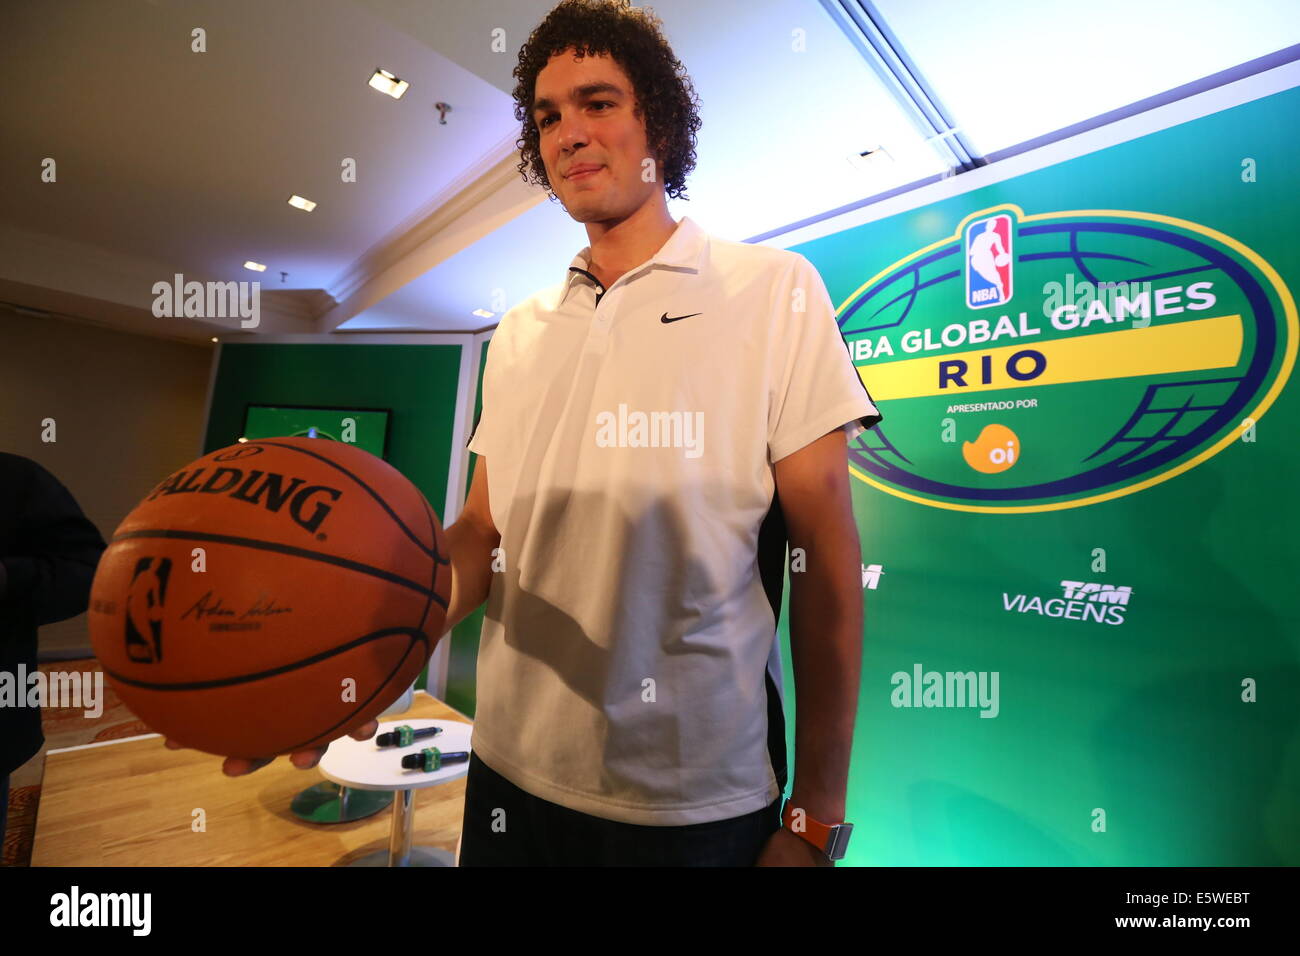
x: 144, y: 616
x: 988, y: 262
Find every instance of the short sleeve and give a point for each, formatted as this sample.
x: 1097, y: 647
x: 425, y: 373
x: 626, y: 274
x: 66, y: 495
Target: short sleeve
x: 475, y: 444
x: 814, y: 387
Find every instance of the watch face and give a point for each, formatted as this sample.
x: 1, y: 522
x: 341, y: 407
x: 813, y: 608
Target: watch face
x: 839, y: 841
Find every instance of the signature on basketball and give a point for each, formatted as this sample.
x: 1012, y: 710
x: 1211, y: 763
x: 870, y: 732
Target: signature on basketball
x: 204, y: 608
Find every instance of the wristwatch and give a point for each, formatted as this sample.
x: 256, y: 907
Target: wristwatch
x: 831, y: 838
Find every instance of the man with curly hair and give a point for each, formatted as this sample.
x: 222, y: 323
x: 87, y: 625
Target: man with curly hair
x: 628, y: 711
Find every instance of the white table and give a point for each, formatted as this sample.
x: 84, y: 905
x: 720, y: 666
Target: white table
x: 362, y: 765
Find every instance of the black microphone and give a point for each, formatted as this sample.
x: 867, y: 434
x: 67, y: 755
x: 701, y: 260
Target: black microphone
x: 405, y: 735
x: 431, y: 758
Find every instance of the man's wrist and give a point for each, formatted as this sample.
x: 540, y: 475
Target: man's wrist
x: 827, y: 807
x: 829, y: 837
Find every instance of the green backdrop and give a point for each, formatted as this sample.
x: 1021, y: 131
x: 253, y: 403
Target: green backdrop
x: 1150, y: 726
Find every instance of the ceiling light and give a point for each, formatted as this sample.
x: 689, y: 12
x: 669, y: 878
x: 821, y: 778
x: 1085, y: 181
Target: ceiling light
x: 871, y: 160
x: 484, y: 313
x: 301, y: 203
x: 255, y: 266
x: 385, y: 82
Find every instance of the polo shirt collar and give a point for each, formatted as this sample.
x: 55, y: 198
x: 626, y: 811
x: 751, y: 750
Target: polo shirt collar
x: 685, y: 248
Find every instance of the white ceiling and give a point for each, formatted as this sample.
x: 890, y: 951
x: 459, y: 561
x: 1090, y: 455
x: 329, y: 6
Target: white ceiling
x: 171, y: 161
x: 1012, y: 70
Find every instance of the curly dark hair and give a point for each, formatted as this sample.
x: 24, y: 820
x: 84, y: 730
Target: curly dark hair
x: 664, y: 95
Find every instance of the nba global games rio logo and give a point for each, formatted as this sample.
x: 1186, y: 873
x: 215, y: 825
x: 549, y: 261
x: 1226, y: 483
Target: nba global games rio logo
x: 1060, y: 359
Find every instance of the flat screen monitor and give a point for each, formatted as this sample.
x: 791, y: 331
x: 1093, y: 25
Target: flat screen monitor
x: 367, y: 428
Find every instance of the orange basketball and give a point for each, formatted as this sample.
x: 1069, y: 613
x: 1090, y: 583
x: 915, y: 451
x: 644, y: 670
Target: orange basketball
x: 271, y: 596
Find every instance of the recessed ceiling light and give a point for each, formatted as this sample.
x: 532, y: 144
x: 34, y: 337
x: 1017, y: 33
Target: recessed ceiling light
x: 385, y: 82
x: 255, y: 266
x: 214, y: 338
x: 871, y: 160
x: 301, y: 203
x: 484, y: 313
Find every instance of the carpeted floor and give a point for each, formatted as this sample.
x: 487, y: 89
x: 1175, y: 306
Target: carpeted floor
x: 64, y: 727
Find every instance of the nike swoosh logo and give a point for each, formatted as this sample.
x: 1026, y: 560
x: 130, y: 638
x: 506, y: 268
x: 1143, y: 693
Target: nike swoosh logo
x: 676, y: 318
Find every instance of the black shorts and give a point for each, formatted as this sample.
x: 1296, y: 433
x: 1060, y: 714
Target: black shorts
x: 530, y: 831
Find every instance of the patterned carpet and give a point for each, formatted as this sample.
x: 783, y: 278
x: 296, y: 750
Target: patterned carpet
x: 64, y: 727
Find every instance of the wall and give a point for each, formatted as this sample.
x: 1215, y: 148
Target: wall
x: 128, y: 411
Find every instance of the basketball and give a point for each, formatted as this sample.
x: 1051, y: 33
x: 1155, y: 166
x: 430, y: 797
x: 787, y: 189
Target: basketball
x: 1001, y: 259
x: 270, y: 596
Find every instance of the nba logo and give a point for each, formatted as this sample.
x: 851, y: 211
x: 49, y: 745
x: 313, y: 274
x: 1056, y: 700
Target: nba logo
x: 144, y: 610
x: 988, y: 262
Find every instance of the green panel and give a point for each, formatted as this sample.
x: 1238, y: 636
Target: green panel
x: 417, y: 382
x: 1144, y: 716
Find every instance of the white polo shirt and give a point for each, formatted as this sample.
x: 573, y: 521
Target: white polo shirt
x: 630, y: 435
